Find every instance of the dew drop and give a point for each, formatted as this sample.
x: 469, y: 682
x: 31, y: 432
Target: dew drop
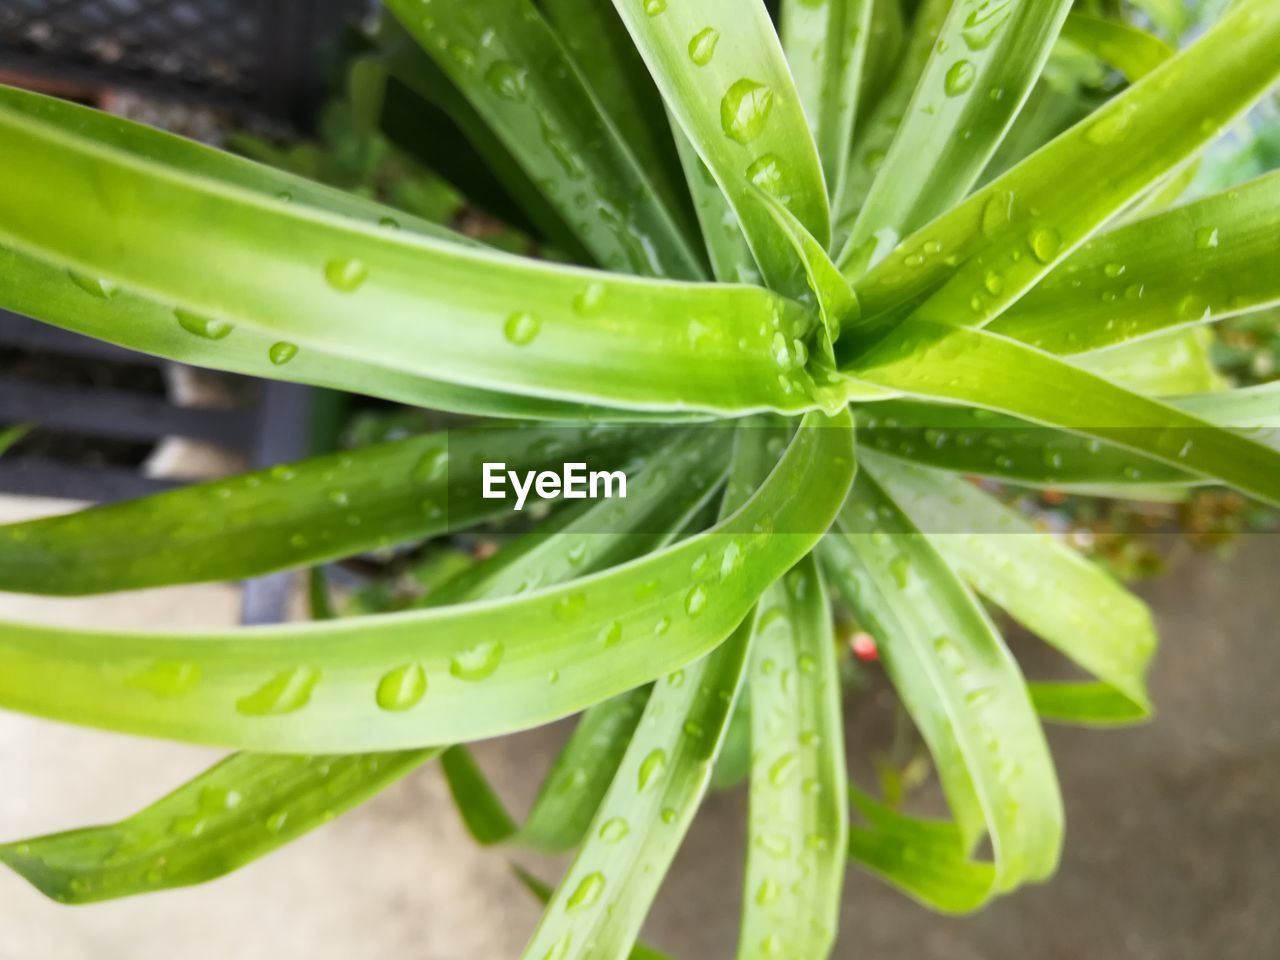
x: 997, y: 213
x: 703, y: 46
x: 782, y: 769
x: 1206, y: 238
x: 768, y: 892
x: 982, y: 25
x: 960, y: 78
x: 731, y: 560
x: 432, y: 467
x: 477, y: 663
x: 1045, y: 244
x: 346, y: 274
x: 94, y: 286
x: 284, y: 693
x: 745, y: 110
x: 167, y: 679
x: 590, y: 300
x: 611, y: 634
x: 276, y: 822
x: 614, y: 830
x: 994, y: 283
x: 1194, y: 307
x: 506, y: 80
x: 521, y: 328
x: 654, y: 7
x: 1114, y: 270
x: 696, y: 601
x: 587, y: 892
x: 282, y: 352
x: 204, y: 327
x: 1112, y: 126
x: 766, y: 173
x: 569, y: 607
x: 900, y: 567
x: 402, y: 688
x: 651, y: 769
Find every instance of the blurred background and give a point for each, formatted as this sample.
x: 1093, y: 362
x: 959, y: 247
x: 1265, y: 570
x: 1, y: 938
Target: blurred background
x: 1172, y: 849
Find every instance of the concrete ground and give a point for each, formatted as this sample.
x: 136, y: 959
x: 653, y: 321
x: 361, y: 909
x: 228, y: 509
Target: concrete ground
x: 1173, y: 849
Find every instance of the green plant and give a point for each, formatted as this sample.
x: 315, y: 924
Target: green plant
x: 1016, y: 318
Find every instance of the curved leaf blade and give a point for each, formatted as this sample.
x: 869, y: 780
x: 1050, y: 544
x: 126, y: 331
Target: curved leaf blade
x: 970, y: 264
x: 984, y: 65
x: 492, y: 667
x: 242, y: 809
x: 798, y: 820
x: 1205, y: 261
x: 1132, y: 51
x: 508, y: 62
x: 826, y: 45
x: 290, y: 515
x: 974, y: 367
x: 876, y: 130
x: 722, y: 73
x: 957, y: 680
x: 1043, y: 584
x: 313, y: 280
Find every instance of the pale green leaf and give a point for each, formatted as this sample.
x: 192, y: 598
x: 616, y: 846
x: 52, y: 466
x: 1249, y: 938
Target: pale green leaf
x: 826, y: 45
x: 1046, y: 586
x: 492, y: 667
x: 1211, y: 259
x: 970, y: 264
x: 442, y: 311
x: 798, y: 822
x: 957, y: 680
x: 292, y: 514
x: 984, y: 64
x: 509, y: 63
x: 720, y: 68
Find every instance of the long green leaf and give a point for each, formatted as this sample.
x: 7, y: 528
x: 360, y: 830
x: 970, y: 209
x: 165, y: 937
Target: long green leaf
x: 927, y: 859
x: 147, y: 143
x: 40, y: 290
x: 543, y: 892
x: 601, y: 902
x: 826, y: 45
x: 247, y: 784
x: 1045, y: 585
x: 970, y: 264
x: 576, y: 785
x: 1162, y: 365
x: 429, y: 118
x: 957, y: 680
x: 291, y: 515
x: 234, y: 813
x: 983, y: 67
x: 314, y: 280
x: 731, y: 257
x: 721, y: 70
x: 492, y: 667
x: 601, y: 47
x: 966, y: 440
x: 1208, y: 260
x: 1132, y: 51
x: 982, y: 369
x: 798, y: 823
x: 877, y: 129
x: 511, y: 66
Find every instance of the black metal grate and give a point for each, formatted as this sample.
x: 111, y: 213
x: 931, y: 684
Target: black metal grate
x: 266, y: 54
